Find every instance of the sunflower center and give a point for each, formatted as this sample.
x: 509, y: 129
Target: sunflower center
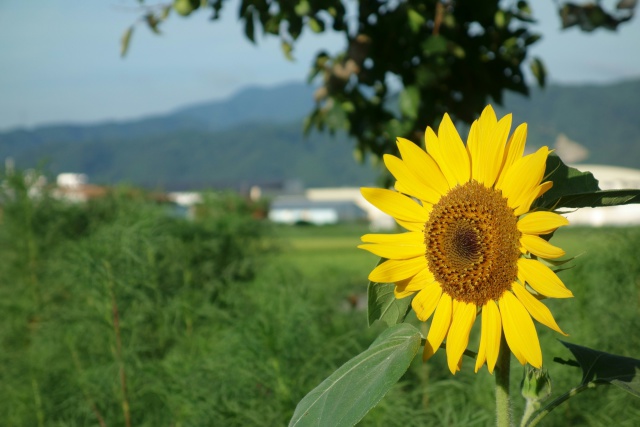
x: 473, y: 243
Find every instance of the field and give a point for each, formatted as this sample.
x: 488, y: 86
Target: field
x: 116, y: 313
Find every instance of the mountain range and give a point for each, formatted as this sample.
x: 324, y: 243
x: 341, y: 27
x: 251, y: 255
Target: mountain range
x: 256, y: 137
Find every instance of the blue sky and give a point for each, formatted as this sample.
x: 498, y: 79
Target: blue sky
x: 60, y: 59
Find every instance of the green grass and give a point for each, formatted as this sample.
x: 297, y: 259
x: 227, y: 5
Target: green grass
x: 227, y: 321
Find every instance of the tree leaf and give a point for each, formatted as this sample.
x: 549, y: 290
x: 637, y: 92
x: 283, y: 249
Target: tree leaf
x: 434, y: 45
x: 383, y: 304
x: 249, y: 26
x: 599, y: 367
x: 315, y: 25
x: 357, y: 386
x: 575, y: 189
x: 538, y: 69
x: 125, y: 40
x: 152, y: 23
x: 416, y: 21
x: 287, y: 49
x: 409, y: 101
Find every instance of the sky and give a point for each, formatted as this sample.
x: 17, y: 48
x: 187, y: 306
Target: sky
x: 60, y: 59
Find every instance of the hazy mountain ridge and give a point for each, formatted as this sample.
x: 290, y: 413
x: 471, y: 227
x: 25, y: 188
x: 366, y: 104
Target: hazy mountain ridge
x: 256, y: 136
x: 602, y: 118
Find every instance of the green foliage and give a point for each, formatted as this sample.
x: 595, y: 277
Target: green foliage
x: 591, y: 16
x: 356, y: 387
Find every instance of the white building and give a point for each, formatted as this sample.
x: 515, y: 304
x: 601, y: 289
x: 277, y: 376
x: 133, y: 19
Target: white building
x: 329, y: 206
x: 377, y: 219
x: 297, y: 209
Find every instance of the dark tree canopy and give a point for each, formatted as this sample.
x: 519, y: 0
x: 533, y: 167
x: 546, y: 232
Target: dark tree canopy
x: 406, y: 62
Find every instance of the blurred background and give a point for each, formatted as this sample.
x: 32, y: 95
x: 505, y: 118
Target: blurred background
x: 179, y: 208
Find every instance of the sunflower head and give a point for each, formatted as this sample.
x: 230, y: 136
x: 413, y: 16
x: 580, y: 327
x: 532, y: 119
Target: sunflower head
x: 472, y: 245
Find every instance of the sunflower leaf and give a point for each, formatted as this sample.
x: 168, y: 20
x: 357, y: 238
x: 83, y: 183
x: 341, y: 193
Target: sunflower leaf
x: 599, y: 367
x: 383, y: 304
x: 357, y: 386
x: 566, y: 181
x: 576, y: 189
x: 597, y: 199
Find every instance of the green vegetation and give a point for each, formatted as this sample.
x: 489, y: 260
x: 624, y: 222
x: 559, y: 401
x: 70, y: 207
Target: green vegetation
x: 224, y: 320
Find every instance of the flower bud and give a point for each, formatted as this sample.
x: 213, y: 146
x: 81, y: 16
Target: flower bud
x: 536, y: 384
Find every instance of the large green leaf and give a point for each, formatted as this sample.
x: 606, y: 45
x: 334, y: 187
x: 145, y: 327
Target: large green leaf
x: 566, y: 181
x: 599, y: 367
x: 598, y: 199
x: 383, y: 304
x: 576, y: 189
x: 358, y: 385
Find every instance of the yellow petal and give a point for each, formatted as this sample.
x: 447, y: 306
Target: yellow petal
x: 393, y: 251
x: 433, y: 149
x: 491, y: 153
x: 398, y: 294
x: 422, y: 165
x: 542, y: 279
x: 458, y: 336
x: 454, y: 303
x: 403, y: 239
x: 473, y: 147
x: 540, y: 247
x: 413, y: 284
x: 395, y: 204
x: 490, y: 334
x: 393, y: 270
x: 514, y: 150
x: 541, y: 223
x: 486, y: 123
x: 411, y: 191
x: 523, y: 177
x: 439, y: 327
x: 519, y: 329
x: 411, y: 226
x: 537, y: 309
x: 426, y: 301
x: 526, y: 204
x: 450, y: 153
x: 544, y: 187
x: 481, y: 133
x: 410, y: 184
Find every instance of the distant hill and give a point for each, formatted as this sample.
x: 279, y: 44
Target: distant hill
x: 256, y: 136
x: 603, y: 118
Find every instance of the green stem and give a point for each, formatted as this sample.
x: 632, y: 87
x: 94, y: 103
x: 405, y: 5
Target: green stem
x: 540, y: 414
x: 503, y: 407
x: 530, y: 408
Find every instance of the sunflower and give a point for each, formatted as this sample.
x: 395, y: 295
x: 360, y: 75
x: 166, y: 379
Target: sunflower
x: 473, y: 246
